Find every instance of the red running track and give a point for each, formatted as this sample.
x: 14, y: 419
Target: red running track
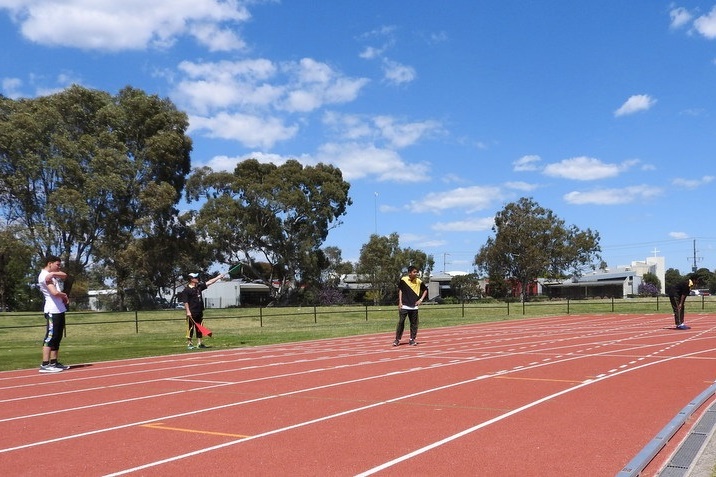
x: 569, y: 395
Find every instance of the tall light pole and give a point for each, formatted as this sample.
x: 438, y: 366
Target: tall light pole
x: 375, y: 212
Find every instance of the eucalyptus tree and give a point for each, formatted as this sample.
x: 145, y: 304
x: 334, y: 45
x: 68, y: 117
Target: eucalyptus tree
x: 466, y: 287
x: 16, y: 272
x: 277, y: 214
x: 531, y: 242
x: 87, y: 174
x: 336, y: 267
x: 383, y: 262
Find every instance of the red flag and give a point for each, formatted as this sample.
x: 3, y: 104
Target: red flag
x: 203, y: 329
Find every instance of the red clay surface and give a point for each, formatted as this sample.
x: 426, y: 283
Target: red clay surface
x: 572, y: 395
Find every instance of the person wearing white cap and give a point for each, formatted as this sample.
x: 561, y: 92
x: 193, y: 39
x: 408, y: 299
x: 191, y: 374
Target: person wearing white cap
x: 194, y: 306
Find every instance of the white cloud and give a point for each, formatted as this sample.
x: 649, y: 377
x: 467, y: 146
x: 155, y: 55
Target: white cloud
x: 117, y: 26
x: 469, y: 199
x: 252, y: 71
x: 679, y: 17
x: 635, y: 104
x: 397, y: 134
x: 371, y: 52
x: 313, y: 84
x: 227, y: 84
x: 678, y: 235
x: 469, y: 225
x: 216, y: 38
x: 382, y: 31
x: 393, y: 71
x: 692, y: 183
x: 401, y: 135
x: 384, y: 34
x: 246, y: 100
x: 521, y: 186
x: 253, y: 131
x: 453, y: 178
x: 296, y: 87
x: 358, y: 160
x: 585, y: 169
x: 11, y: 87
x: 625, y: 195
x: 397, y: 73
x: 526, y: 163
x: 420, y: 241
x: 706, y: 24
x: 349, y: 126
x: 228, y: 164
x: 438, y: 37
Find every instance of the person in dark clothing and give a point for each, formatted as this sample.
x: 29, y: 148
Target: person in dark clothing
x: 411, y: 293
x: 194, y: 307
x: 677, y: 296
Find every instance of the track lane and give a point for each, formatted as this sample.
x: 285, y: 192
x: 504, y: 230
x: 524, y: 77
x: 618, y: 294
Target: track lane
x: 511, y: 353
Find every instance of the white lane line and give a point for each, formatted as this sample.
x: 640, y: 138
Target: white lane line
x: 393, y: 400
x: 501, y: 417
x: 269, y: 397
x: 181, y: 391
x: 336, y: 384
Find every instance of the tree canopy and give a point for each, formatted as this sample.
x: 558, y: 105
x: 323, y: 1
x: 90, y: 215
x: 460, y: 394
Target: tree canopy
x: 88, y: 175
x: 532, y: 242
x: 281, y: 214
x: 383, y: 262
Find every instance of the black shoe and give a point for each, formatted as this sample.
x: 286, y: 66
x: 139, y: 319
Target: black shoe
x: 413, y: 343
x: 396, y: 342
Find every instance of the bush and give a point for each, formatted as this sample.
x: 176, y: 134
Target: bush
x: 331, y: 296
x: 648, y: 289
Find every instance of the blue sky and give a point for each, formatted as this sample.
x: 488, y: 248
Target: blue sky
x: 438, y: 113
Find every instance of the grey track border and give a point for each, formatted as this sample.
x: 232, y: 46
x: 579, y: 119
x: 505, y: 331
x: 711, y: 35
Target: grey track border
x: 647, y: 454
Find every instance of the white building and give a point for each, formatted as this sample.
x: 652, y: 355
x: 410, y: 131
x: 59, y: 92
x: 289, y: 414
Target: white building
x: 231, y: 293
x: 653, y: 265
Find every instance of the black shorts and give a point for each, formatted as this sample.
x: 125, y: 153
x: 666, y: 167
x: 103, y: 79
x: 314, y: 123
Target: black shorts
x: 54, y: 331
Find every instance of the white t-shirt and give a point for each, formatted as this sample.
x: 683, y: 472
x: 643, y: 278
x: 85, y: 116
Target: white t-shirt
x: 53, y: 304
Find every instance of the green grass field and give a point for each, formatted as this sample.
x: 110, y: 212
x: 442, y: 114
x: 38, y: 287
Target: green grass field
x: 92, y: 337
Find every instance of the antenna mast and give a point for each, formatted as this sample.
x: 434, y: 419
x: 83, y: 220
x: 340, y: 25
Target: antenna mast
x: 695, y: 259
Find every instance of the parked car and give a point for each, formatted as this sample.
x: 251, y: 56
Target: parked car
x: 700, y: 292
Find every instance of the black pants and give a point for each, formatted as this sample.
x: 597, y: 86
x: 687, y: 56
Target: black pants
x: 412, y: 315
x: 678, y: 314
x: 191, y: 328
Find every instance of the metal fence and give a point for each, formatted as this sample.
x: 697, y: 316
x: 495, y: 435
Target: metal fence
x: 287, y: 316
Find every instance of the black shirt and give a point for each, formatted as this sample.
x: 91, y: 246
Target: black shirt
x: 192, y: 296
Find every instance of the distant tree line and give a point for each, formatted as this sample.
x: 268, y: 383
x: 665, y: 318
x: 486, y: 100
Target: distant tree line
x: 97, y: 179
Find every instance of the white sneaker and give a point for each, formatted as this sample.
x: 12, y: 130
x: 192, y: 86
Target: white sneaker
x: 48, y: 368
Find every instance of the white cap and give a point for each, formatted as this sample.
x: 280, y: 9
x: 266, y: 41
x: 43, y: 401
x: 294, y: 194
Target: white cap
x: 194, y: 275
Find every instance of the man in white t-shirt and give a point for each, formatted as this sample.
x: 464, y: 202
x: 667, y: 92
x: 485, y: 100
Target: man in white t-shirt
x: 50, y: 284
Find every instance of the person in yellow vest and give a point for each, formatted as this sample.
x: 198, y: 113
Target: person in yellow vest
x: 411, y: 293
